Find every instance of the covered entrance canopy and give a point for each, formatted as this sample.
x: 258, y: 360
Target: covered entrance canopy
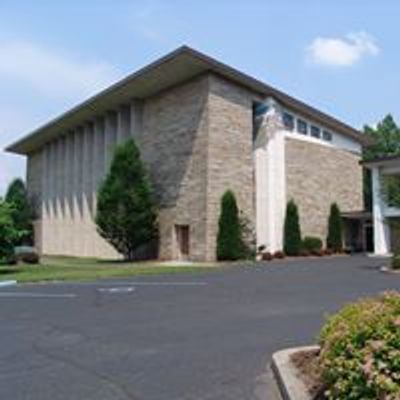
x: 384, y: 213
x: 358, y: 231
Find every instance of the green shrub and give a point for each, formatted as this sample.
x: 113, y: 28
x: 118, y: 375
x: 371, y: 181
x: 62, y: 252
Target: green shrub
x: 292, y: 234
x: 230, y: 244
x: 311, y: 244
x: 126, y: 212
x: 334, y: 241
x: 360, y: 350
x: 22, y: 212
x: 396, y: 261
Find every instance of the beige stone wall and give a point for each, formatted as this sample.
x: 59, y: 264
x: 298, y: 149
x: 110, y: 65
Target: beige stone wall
x: 230, y: 162
x: 173, y: 146
x: 318, y: 175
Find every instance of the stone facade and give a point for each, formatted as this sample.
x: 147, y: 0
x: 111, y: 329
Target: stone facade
x: 318, y: 175
x: 196, y: 140
x: 230, y: 147
x: 173, y: 146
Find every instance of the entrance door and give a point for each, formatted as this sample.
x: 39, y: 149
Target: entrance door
x: 182, y: 241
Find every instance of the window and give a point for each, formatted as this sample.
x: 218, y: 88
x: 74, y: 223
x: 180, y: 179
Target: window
x: 260, y: 109
x: 288, y: 121
x: 302, y: 126
x: 326, y: 135
x: 315, y: 132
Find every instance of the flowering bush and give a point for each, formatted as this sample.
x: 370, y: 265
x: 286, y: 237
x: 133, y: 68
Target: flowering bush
x: 360, y: 350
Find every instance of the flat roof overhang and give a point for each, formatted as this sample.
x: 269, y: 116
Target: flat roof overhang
x: 384, y: 161
x: 179, y: 66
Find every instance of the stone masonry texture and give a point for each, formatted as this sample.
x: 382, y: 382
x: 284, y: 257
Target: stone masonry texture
x: 317, y: 176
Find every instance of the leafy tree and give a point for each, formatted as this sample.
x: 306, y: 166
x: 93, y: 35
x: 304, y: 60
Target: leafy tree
x: 126, y: 214
x: 230, y: 244
x: 292, y: 233
x: 22, y: 215
x: 9, y: 235
x: 386, y: 136
x: 334, y: 241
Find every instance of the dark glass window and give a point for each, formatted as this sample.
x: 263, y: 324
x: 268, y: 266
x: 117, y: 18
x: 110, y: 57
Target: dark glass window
x: 315, y: 132
x: 288, y: 121
x: 302, y: 126
x: 326, y: 135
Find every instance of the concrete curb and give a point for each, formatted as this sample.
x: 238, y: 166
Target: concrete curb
x: 291, y: 387
x: 389, y: 270
x: 7, y: 283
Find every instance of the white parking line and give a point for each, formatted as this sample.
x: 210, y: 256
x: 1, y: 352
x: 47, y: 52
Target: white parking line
x: 37, y: 295
x: 160, y: 283
x: 117, y: 290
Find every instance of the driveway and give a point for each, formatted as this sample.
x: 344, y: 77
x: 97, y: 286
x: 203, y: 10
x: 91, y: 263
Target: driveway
x: 201, y: 336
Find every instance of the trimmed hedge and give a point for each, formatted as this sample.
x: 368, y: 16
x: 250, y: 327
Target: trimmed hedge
x: 360, y: 350
x: 311, y: 244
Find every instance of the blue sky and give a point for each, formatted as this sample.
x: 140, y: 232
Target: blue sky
x: 340, y: 56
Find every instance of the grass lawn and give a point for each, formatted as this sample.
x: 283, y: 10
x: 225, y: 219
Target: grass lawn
x: 79, y: 269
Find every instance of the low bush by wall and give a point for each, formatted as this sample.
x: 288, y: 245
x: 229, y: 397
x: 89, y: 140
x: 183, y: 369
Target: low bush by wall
x: 360, y: 350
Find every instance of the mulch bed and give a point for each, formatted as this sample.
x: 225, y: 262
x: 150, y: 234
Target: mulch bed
x: 309, y: 372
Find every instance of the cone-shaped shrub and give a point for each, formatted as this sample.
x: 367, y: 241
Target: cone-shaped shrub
x: 230, y: 244
x: 126, y: 215
x: 292, y: 234
x: 334, y: 241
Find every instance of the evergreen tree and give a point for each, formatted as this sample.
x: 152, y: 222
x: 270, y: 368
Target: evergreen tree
x: 292, y: 233
x: 9, y: 235
x: 126, y: 215
x: 22, y: 215
x: 334, y: 241
x: 230, y: 245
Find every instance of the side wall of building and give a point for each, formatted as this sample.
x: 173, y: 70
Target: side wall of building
x: 317, y: 176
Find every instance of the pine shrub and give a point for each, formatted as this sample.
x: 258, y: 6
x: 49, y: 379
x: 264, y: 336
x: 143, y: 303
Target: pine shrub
x: 126, y: 212
x: 334, y: 240
x: 230, y: 244
x: 292, y: 233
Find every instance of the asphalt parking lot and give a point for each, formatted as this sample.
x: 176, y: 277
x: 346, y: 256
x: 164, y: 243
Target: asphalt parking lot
x: 208, y: 335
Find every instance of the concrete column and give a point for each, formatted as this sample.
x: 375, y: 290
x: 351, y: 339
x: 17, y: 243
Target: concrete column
x: 69, y: 193
x: 77, y: 192
x: 110, y: 138
x: 136, y: 119
x: 42, y: 226
x: 270, y: 180
x: 98, y: 157
x: 123, y: 123
x: 62, y: 177
x: 87, y: 171
x: 381, y: 227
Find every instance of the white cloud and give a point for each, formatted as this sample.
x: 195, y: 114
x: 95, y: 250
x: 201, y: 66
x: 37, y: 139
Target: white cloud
x: 53, y: 73
x: 342, y: 52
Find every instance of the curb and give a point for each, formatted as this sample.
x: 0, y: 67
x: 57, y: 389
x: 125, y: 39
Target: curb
x: 291, y: 387
x: 389, y: 270
x: 7, y: 283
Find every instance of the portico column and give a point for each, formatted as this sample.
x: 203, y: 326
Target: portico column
x: 381, y: 227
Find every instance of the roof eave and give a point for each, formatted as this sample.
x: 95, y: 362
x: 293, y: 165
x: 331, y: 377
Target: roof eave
x: 200, y: 63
